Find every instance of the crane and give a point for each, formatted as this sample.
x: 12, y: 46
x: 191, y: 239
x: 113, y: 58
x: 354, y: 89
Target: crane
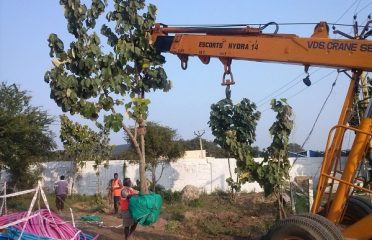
x: 352, y: 53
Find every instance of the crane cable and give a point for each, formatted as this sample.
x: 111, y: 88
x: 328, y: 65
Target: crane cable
x: 317, y: 118
x: 300, y: 91
x: 346, y: 11
x: 263, y: 100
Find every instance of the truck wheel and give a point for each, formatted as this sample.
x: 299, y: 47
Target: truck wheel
x: 356, y: 209
x: 331, y: 227
x: 298, y: 228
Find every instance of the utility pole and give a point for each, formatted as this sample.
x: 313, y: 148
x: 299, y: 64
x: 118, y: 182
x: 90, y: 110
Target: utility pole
x: 199, y: 134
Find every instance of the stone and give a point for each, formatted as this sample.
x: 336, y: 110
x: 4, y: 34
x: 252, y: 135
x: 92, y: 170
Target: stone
x: 189, y: 193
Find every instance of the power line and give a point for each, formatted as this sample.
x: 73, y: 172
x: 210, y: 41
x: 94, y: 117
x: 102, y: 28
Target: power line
x: 287, y: 89
x: 270, y: 94
x: 363, y: 8
x: 356, y: 8
x: 347, y: 10
x: 312, y: 85
x: 317, y: 117
x: 323, y: 77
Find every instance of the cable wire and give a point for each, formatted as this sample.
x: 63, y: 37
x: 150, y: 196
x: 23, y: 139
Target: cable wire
x: 262, y: 102
x: 317, y: 118
x: 363, y: 8
x: 346, y: 11
x: 356, y: 8
x: 328, y: 74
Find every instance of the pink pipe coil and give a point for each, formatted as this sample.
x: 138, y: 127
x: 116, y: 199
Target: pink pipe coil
x: 46, y: 224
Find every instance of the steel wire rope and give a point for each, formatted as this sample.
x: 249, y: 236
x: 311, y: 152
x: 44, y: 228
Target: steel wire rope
x: 357, y: 6
x: 363, y: 8
x: 287, y: 89
x: 346, y: 11
x: 275, y: 91
x: 317, y: 117
x: 304, y: 89
x: 328, y: 74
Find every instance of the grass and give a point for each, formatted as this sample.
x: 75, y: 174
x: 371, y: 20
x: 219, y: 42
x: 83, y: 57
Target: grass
x: 207, y: 217
x: 89, y: 203
x: 215, y: 215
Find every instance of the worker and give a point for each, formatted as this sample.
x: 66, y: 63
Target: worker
x: 129, y: 223
x: 115, y: 187
x: 61, y: 190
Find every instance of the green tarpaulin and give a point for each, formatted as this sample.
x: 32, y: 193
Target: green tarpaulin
x: 145, y: 209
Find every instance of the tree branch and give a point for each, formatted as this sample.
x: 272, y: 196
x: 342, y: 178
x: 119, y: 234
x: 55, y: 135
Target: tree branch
x: 131, y: 136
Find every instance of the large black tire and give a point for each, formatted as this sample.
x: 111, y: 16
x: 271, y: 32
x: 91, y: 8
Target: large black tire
x: 298, y: 228
x: 356, y: 209
x: 331, y: 227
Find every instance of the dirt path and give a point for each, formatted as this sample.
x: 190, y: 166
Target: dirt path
x: 111, y: 229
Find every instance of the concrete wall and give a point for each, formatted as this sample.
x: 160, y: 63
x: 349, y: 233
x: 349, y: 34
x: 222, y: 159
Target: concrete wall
x: 209, y: 174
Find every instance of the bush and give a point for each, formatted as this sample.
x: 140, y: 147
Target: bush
x: 171, y: 197
x: 158, y: 188
x: 196, y: 203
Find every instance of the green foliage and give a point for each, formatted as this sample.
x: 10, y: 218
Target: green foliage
x: 93, y: 78
x: 295, y: 148
x: 162, y: 147
x: 25, y: 138
x: 83, y: 144
x: 241, y: 119
x: 170, y: 197
x: 195, y: 203
x: 87, y: 78
x: 236, y: 133
x: 274, y: 169
x: 234, y: 129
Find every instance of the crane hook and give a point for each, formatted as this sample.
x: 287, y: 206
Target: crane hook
x: 227, y: 83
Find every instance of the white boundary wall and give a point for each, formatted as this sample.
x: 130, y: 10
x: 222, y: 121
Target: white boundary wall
x: 209, y: 174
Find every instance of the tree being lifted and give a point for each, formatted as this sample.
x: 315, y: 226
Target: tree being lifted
x: 234, y: 127
x: 89, y: 78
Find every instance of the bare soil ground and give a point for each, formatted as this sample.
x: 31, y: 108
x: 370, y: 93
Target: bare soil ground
x: 211, y: 217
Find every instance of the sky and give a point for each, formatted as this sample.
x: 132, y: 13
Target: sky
x: 24, y: 58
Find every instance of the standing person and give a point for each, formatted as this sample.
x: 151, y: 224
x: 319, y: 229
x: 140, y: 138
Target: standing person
x: 128, y: 222
x: 60, y: 190
x: 115, y: 186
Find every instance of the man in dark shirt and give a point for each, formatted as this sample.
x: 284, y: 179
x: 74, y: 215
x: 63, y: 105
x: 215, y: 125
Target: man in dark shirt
x: 61, y: 189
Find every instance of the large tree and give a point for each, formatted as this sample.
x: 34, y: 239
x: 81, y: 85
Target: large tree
x: 84, y: 144
x: 295, y: 148
x: 94, y: 79
x: 25, y: 138
x: 162, y: 147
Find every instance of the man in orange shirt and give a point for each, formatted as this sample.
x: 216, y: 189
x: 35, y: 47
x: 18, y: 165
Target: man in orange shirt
x: 115, y: 187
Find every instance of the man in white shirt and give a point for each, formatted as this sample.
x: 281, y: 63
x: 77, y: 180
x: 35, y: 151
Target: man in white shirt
x: 60, y: 190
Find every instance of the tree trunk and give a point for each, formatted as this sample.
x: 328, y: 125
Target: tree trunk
x: 153, y: 173
x: 144, y: 187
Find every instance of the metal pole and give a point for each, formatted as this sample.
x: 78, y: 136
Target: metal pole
x: 199, y: 134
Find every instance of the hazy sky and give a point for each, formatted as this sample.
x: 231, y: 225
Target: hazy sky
x: 24, y: 58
